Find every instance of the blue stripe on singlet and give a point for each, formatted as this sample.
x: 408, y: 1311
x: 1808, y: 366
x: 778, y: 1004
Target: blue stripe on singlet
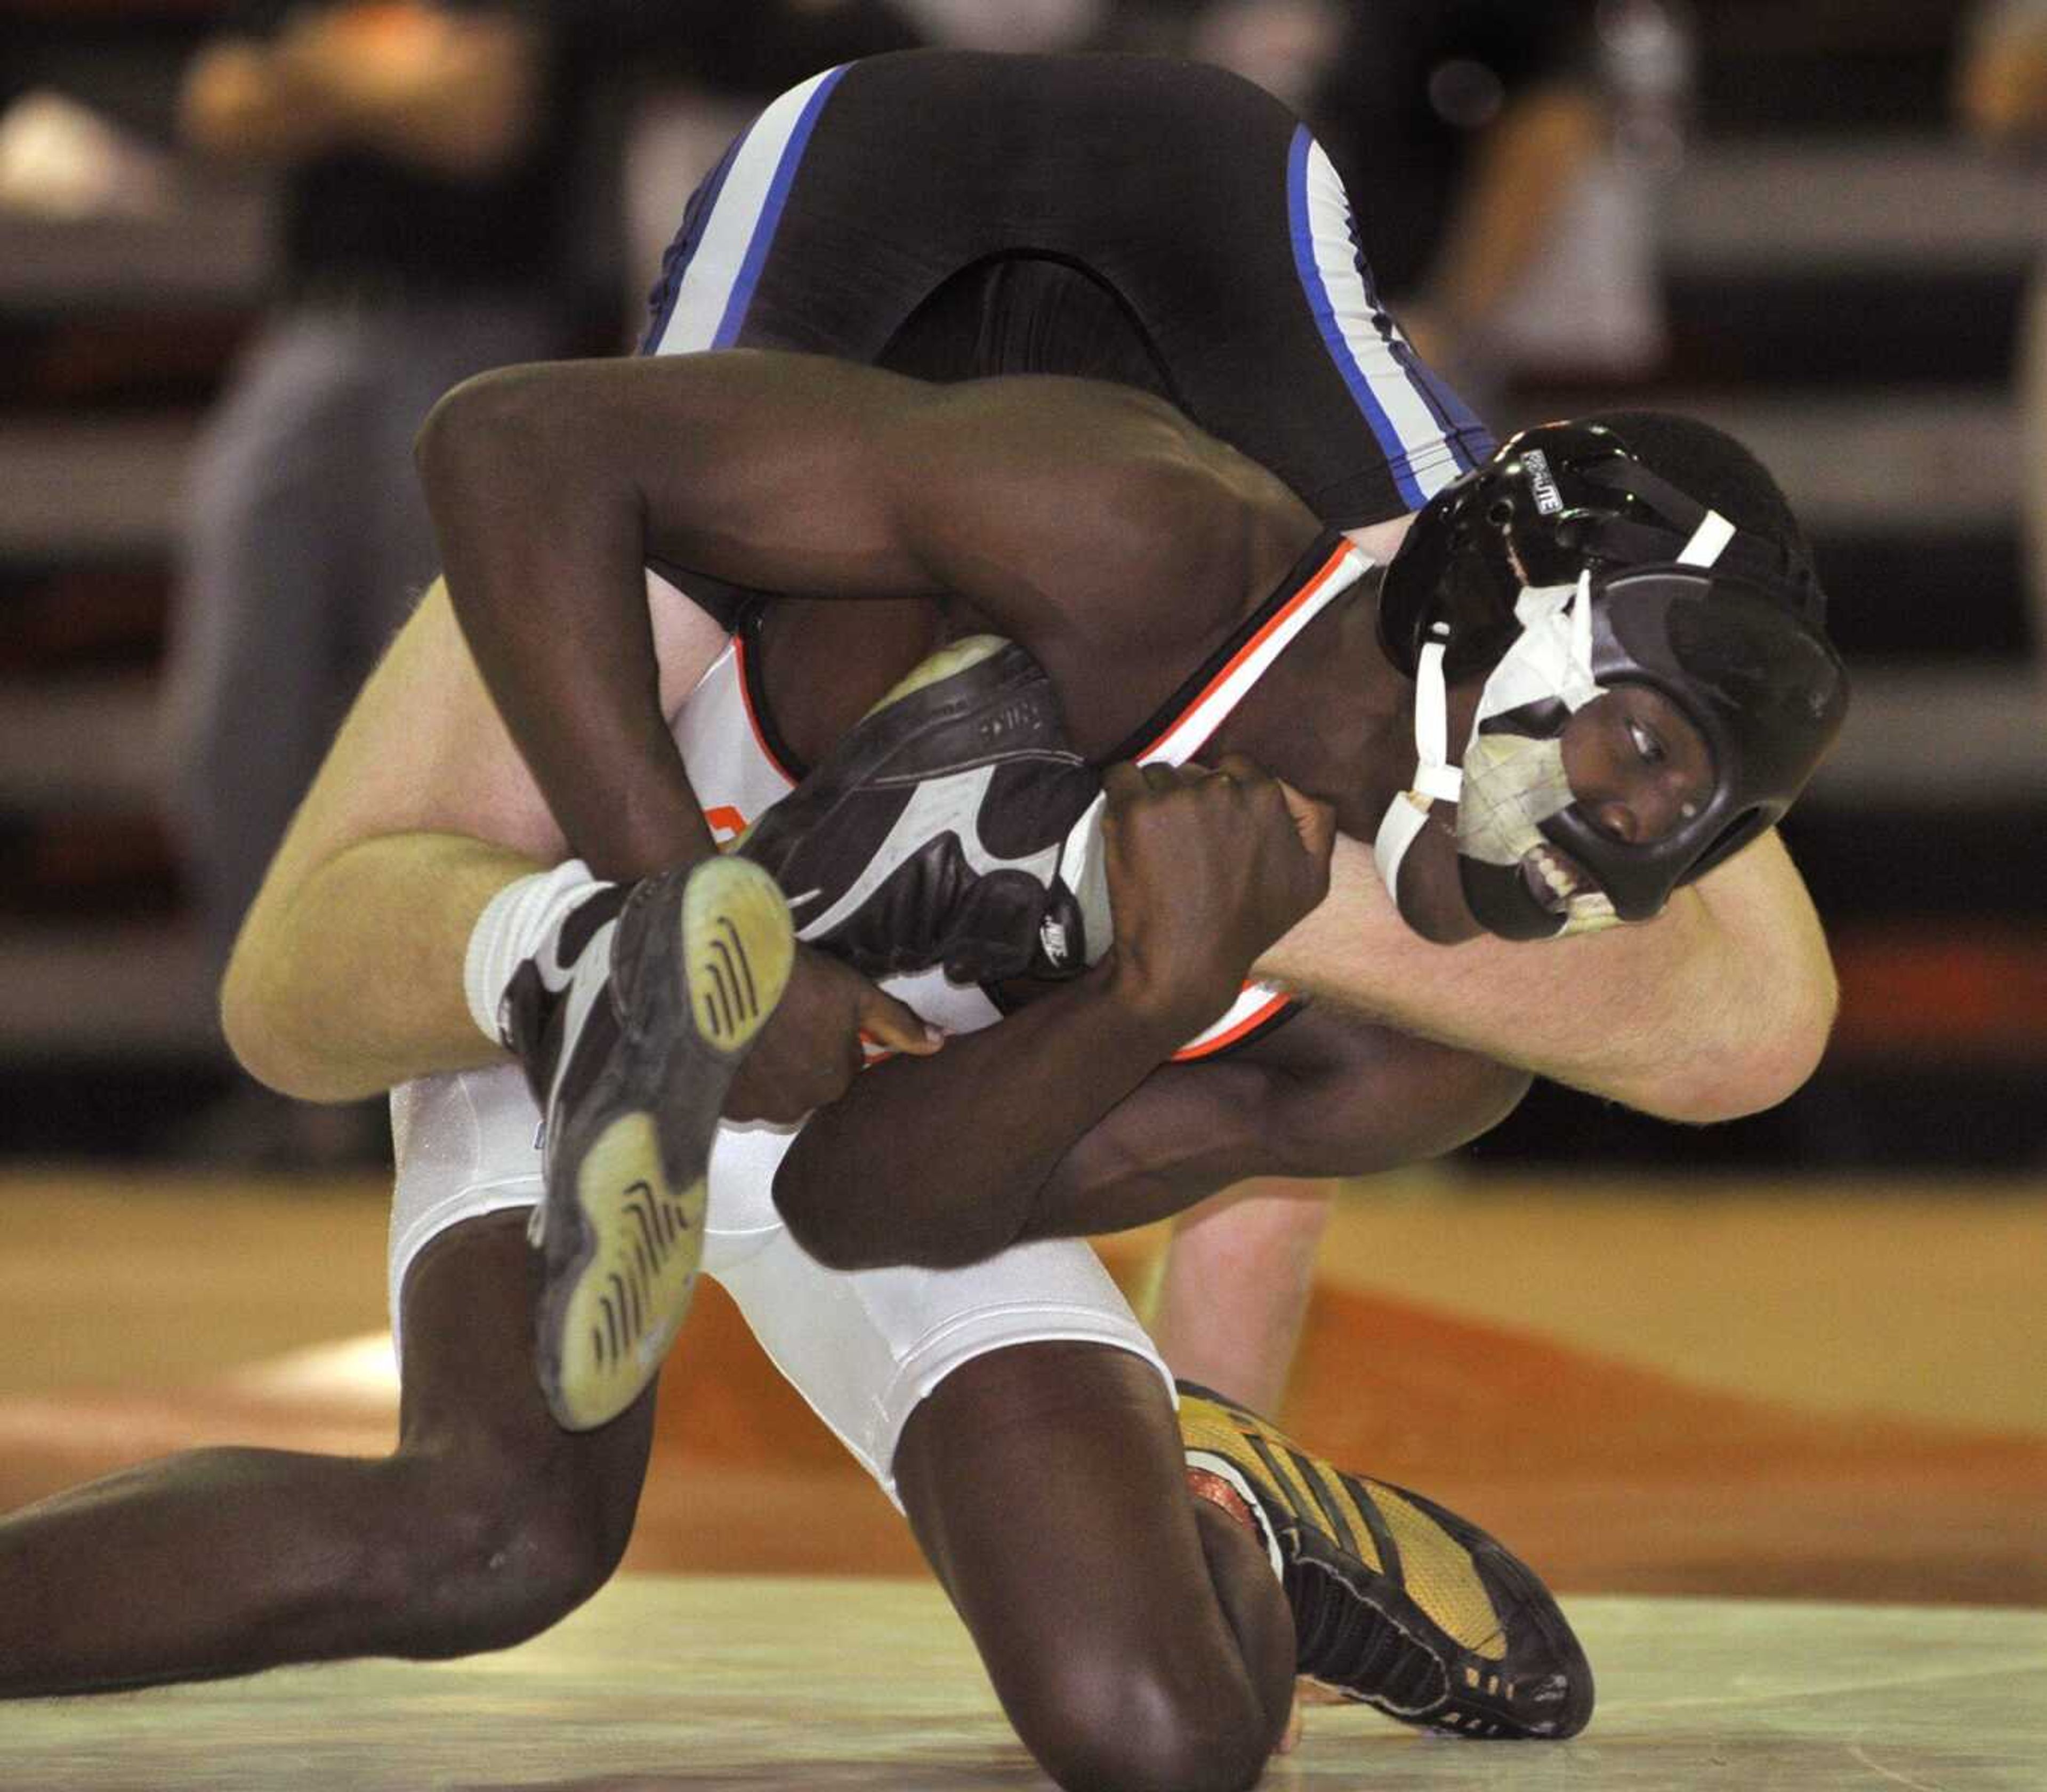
x: 771, y: 212
x: 1454, y: 429
x: 1469, y: 439
x: 676, y: 263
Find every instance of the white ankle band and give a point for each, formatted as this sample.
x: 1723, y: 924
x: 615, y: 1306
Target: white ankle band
x: 516, y: 925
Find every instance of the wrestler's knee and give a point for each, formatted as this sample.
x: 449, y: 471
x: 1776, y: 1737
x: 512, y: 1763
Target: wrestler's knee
x: 495, y: 1550
x: 1112, y: 1719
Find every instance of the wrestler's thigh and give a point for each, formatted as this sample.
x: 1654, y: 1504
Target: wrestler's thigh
x: 1130, y: 1642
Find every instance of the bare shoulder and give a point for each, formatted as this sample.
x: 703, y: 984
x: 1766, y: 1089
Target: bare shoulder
x: 1142, y: 532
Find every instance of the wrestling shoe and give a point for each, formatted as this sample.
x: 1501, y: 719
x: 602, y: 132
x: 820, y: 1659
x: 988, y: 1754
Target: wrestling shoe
x: 635, y: 1054
x: 1397, y: 1603
x: 948, y: 826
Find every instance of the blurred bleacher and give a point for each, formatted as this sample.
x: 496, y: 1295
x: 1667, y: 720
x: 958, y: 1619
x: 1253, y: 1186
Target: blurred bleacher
x: 1845, y: 277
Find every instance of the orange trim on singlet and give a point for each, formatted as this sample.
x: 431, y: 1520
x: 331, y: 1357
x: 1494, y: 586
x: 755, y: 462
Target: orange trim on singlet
x: 1194, y: 1054
x: 1337, y: 555
x: 753, y: 721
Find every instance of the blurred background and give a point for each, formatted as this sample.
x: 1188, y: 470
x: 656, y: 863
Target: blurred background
x: 1813, y: 221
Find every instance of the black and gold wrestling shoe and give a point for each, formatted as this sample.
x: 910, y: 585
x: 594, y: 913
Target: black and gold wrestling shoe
x: 1397, y: 1603
x: 639, y: 1049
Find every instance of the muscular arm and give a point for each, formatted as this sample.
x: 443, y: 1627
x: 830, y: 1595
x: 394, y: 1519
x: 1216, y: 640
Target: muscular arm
x: 1047, y: 503
x: 949, y: 1160
x: 1327, y: 1095
x: 941, y: 1161
x: 1064, y: 1135
x: 1719, y: 1007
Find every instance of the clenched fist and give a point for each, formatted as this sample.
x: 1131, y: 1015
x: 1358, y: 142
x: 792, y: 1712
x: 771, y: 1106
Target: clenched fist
x: 1206, y: 869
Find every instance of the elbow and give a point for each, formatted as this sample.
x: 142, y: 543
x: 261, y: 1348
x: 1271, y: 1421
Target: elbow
x: 489, y: 434
x: 819, y: 1216
x: 463, y: 419
x: 1768, y: 1057
x: 1421, y: 1100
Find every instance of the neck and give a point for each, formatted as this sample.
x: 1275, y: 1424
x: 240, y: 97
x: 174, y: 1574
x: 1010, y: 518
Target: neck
x: 1332, y: 717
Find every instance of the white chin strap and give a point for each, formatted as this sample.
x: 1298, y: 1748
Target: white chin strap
x: 1435, y: 778
x: 1550, y: 659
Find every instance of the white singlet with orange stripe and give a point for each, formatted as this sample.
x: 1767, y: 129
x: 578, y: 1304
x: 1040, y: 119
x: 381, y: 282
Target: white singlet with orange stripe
x: 1190, y: 718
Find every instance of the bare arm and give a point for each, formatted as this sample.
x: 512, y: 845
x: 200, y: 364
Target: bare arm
x: 1045, y: 502
x: 1719, y: 1007
x: 949, y: 1160
x: 1328, y: 1095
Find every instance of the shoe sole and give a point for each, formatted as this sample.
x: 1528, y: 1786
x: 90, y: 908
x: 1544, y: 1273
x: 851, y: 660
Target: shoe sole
x: 622, y: 1231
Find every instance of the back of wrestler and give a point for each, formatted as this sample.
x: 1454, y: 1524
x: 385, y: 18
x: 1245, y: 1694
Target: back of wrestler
x: 953, y: 214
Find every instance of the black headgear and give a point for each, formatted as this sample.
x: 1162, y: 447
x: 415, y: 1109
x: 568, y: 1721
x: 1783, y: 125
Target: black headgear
x: 1726, y: 625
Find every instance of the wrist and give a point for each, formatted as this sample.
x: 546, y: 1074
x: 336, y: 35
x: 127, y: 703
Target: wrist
x: 1166, y: 1006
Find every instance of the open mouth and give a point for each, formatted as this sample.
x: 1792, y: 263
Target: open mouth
x: 1556, y: 879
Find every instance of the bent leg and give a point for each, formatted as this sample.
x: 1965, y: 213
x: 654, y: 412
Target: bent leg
x: 1233, y: 1286
x: 1135, y: 1636
x: 1018, y: 1413
x: 486, y: 1525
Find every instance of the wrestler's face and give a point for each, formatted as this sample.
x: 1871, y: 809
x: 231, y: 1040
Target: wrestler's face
x: 1637, y: 770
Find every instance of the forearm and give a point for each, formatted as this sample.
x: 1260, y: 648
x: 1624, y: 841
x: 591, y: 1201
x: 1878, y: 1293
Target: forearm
x: 384, y: 924
x: 1040, y: 502
x: 542, y: 543
x: 1719, y: 1007
x: 941, y: 1161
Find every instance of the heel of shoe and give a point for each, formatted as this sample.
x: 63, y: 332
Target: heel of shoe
x: 943, y: 663
x: 738, y: 946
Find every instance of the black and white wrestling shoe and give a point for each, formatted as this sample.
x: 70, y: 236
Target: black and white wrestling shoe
x: 1397, y: 1603
x: 951, y: 825
x: 630, y: 1047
